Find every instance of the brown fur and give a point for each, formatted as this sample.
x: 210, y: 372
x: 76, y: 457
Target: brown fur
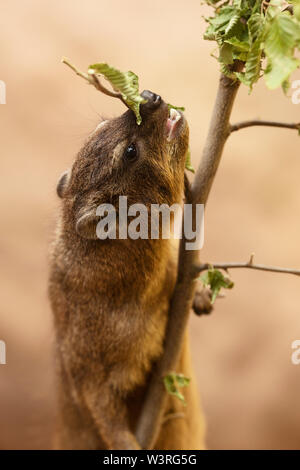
x: 110, y: 298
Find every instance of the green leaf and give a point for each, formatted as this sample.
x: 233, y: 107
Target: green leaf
x: 296, y: 9
x: 182, y: 381
x: 188, y: 163
x: 282, y: 37
x: 216, y: 280
x: 273, y: 9
x: 179, y: 108
x: 173, y: 382
x: 253, y: 62
x: 233, y: 21
x: 127, y: 83
x: 224, y: 21
x: 255, y: 27
x: 240, y: 56
x: 253, y: 65
x: 242, y: 46
x: 226, y: 56
x: 213, y: 2
x: 285, y: 86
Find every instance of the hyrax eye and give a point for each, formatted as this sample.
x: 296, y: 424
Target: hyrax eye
x: 131, y: 153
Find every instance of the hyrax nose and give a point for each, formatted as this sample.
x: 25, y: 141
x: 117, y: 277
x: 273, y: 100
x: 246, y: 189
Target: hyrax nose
x: 153, y: 100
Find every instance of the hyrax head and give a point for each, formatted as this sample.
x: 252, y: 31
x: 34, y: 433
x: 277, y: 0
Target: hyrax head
x: 143, y: 162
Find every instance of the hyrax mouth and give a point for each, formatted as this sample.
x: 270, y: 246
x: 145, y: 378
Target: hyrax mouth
x: 173, y: 122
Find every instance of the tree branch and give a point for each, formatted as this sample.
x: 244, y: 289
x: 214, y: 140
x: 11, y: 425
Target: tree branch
x: 153, y: 408
x: 249, y: 264
x: 244, y: 124
x: 93, y: 79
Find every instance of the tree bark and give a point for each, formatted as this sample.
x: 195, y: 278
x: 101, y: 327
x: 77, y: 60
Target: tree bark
x: 154, y: 406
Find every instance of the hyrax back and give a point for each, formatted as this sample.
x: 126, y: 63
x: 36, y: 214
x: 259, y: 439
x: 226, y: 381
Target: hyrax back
x: 110, y: 297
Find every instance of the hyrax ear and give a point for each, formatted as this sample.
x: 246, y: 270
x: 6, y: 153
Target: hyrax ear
x: 63, y: 183
x: 86, y: 225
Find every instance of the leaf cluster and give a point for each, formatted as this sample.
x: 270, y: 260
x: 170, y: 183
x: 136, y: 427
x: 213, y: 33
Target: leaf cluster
x: 264, y: 35
x: 173, y: 382
x: 214, y: 279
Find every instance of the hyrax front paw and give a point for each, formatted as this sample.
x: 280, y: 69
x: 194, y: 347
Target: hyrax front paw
x: 202, y: 300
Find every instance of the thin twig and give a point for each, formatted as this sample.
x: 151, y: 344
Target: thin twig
x: 93, y: 79
x: 249, y: 264
x: 78, y: 72
x: 100, y: 87
x: 258, y: 122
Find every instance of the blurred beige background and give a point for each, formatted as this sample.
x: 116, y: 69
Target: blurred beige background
x: 250, y: 389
